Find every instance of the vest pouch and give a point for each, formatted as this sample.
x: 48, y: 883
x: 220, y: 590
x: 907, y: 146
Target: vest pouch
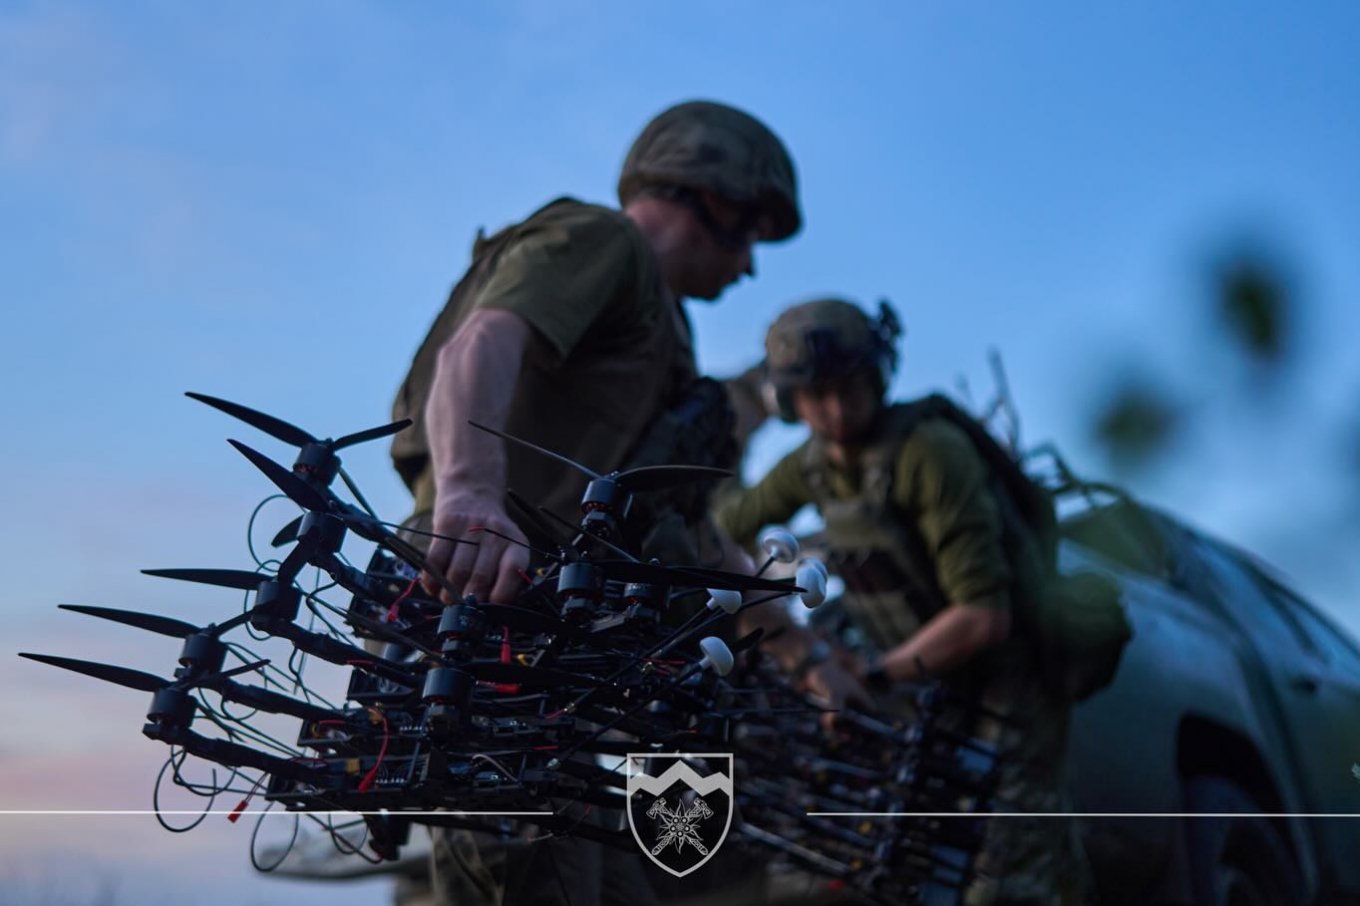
x: 1081, y: 630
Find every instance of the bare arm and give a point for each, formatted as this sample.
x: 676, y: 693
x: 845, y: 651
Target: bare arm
x: 475, y: 378
x: 951, y: 638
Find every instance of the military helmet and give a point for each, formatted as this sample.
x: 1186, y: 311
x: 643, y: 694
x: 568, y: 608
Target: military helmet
x: 828, y: 339
x: 709, y: 146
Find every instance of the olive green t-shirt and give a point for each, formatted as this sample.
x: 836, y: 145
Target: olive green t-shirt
x: 940, y: 489
x: 612, y: 347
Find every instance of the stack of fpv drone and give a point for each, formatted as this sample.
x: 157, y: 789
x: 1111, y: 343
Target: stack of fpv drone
x: 477, y: 707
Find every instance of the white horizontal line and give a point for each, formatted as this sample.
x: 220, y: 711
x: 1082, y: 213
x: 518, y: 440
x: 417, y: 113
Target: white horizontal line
x: 1082, y: 815
x: 257, y: 812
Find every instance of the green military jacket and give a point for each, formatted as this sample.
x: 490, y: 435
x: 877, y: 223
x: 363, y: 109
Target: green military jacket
x: 612, y: 349
x: 913, y: 523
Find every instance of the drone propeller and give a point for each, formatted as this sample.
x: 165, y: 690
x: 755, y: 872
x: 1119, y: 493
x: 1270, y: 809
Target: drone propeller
x: 122, y: 676
x: 642, y: 478
x: 589, y: 473
x: 288, y: 534
x: 164, y: 625
x: 360, y: 437
x: 274, y: 427
x: 750, y: 640
x: 632, y: 570
x: 659, y: 478
x: 291, y: 434
x: 297, y: 490
x: 536, y: 521
x: 155, y: 623
x: 577, y: 529
x: 223, y: 578
x: 307, y: 497
x: 136, y: 679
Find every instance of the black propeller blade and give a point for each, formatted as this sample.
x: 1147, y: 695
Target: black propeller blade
x: 164, y: 625
x: 359, y: 437
x: 122, y: 676
x: 136, y: 679
x: 288, y: 534
x: 695, y: 576
x: 533, y: 446
x: 596, y: 538
x: 274, y: 427
x: 643, y: 478
x: 228, y: 674
x: 535, y: 521
x: 223, y: 578
x: 659, y: 478
x: 750, y: 640
x: 298, y: 491
x: 292, y: 434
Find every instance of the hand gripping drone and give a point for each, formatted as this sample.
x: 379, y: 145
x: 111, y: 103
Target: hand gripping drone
x: 477, y: 707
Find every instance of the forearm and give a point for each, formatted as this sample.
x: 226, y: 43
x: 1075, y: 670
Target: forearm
x: 950, y: 639
x: 475, y: 378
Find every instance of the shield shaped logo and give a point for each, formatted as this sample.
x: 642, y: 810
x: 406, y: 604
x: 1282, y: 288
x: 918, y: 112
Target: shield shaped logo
x: 680, y: 806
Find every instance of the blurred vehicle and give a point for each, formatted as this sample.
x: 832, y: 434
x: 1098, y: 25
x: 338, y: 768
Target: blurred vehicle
x: 1235, y: 696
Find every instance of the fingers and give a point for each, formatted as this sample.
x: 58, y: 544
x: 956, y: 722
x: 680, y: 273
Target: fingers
x: 510, y: 574
x: 437, y: 558
x: 462, y: 565
x: 489, y: 568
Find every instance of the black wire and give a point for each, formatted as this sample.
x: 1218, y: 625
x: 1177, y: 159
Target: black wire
x: 197, y: 788
x: 250, y: 630
x: 254, y: 834
x: 336, y: 807
x: 251, y: 733
x: 341, y: 844
x: 335, y: 633
x: 156, y: 798
x: 307, y: 693
x: 354, y: 489
x: 250, y: 527
x: 226, y: 713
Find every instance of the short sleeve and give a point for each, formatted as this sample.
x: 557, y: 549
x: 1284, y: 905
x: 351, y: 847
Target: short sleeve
x: 943, y: 484
x: 564, y: 275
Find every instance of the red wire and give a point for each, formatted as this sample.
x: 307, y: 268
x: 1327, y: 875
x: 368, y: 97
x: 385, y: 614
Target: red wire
x: 395, y: 610
x: 372, y: 774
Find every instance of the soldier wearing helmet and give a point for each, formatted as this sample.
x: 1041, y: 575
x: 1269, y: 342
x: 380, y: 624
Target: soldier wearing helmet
x: 568, y: 331
x: 933, y: 571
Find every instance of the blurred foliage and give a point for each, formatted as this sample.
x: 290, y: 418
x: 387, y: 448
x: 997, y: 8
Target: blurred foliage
x: 1254, y: 314
x: 1135, y: 424
x: 1254, y: 306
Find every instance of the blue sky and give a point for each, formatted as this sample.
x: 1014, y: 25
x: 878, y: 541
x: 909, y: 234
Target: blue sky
x: 268, y: 202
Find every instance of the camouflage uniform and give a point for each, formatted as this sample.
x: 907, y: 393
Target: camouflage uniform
x: 611, y: 350
x: 914, y: 526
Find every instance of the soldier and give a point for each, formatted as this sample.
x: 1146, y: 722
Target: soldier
x: 568, y: 331
x: 932, y: 575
